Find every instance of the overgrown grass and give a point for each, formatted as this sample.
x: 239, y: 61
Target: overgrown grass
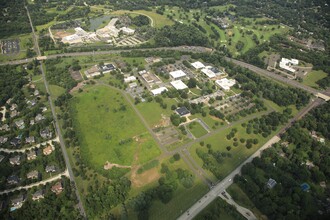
x: 313, y: 77
x: 148, y: 166
x: 197, y: 129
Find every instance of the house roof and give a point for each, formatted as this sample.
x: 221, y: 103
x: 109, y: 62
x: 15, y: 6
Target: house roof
x: 182, y: 111
x: 271, y: 183
x: 158, y: 90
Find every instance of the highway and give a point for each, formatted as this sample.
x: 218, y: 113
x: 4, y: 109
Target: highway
x: 57, y: 127
x: 226, y: 182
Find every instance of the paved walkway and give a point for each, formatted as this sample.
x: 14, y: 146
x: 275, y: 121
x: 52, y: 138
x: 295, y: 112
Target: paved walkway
x: 43, y: 182
x: 29, y: 148
x: 244, y: 211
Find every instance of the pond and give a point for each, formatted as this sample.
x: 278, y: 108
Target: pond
x: 96, y: 22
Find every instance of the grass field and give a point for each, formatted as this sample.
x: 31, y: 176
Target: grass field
x: 219, y: 142
x: 152, y: 111
x: 56, y: 91
x: 313, y: 77
x: 197, y: 129
x: 115, y: 133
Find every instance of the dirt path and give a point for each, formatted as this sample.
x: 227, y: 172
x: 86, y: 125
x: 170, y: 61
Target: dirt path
x: 108, y: 165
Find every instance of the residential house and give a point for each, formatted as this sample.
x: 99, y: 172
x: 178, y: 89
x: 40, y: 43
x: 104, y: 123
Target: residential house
x: 29, y: 140
x: 50, y: 169
x: 20, y: 124
x: 14, y: 113
x: 36, y: 92
x: 15, y: 142
x: 31, y: 155
x: 39, y: 118
x: 47, y: 150
x: 182, y: 111
x: 57, y: 188
x: 46, y: 133
x: 33, y: 174
x: 17, y: 202
x: 5, y: 127
x: 13, y: 179
x: 271, y: 183
x: 32, y: 122
x: 38, y: 195
x: 13, y: 107
x: 3, y: 139
x: 15, y: 160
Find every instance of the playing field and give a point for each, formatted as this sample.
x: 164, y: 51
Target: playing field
x: 109, y: 130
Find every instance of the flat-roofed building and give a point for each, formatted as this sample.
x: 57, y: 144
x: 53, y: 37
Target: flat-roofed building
x: 225, y: 84
x: 178, y: 74
x: 179, y: 85
x: 198, y: 65
x: 158, y: 90
x: 129, y: 79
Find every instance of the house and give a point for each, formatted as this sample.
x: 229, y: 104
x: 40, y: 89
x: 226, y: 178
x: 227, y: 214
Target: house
x: 15, y: 160
x: 39, y: 117
x: 20, y: 124
x: 45, y: 133
x: 1, y: 158
x: 158, y: 90
x: 13, y: 107
x: 32, y: 122
x: 13, y: 179
x: 14, y: 113
x: 3, y: 139
x: 271, y: 183
x: 4, y: 127
x: 225, y: 84
x: 31, y: 155
x: 179, y: 85
x: 17, y: 202
x: 50, y: 169
x: 15, y: 142
x: 182, y: 111
x: 129, y: 79
x: 33, y: 174
x: 29, y: 140
x: 36, y: 92
x: 57, y: 188
x: 38, y: 195
x: 198, y: 65
x: 47, y: 150
x: 178, y: 74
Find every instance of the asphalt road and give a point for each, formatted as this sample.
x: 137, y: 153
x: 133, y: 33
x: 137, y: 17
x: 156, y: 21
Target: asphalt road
x: 57, y: 127
x: 8, y: 151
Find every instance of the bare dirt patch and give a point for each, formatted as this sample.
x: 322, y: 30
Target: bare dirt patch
x: 149, y: 176
x: 61, y: 34
x: 108, y: 166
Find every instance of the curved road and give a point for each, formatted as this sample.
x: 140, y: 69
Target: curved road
x: 29, y: 148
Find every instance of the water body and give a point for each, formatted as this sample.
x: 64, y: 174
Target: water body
x: 96, y: 22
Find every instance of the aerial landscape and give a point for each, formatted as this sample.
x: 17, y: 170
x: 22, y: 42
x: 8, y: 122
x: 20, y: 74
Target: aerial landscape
x: 165, y: 109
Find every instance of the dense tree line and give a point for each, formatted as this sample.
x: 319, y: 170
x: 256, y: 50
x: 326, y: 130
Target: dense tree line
x: 13, y: 18
x: 75, y: 12
x: 180, y: 34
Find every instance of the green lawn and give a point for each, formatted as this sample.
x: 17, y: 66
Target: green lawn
x: 114, y: 133
x: 152, y: 112
x: 313, y: 77
x: 56, y: 91
x: 219, y: 142
x: 197, y: 129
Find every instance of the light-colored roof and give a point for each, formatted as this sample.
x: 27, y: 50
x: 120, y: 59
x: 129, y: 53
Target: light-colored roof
x: 179, y: 85
x: 158, y: 90
x: 177, y: 74
x: 225, y: 83
x: 209, y: 73
x: 286, y: 64
x: 198, y: 65
x: 129, y: 79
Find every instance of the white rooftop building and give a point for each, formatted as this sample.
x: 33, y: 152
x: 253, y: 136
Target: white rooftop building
x: 287, y: 63
x: 178, y: 74
x: 179, y: 85
x: 208, y: 72
x: 127, y: 31
x: 129, y: 79
x: 198, y: 65
x: 158, y: 90
x: 225, y: 83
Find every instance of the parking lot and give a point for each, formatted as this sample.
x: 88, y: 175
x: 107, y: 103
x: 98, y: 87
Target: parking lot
x: 10, y: 46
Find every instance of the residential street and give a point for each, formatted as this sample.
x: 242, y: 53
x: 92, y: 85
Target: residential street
x: 29, y: 148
